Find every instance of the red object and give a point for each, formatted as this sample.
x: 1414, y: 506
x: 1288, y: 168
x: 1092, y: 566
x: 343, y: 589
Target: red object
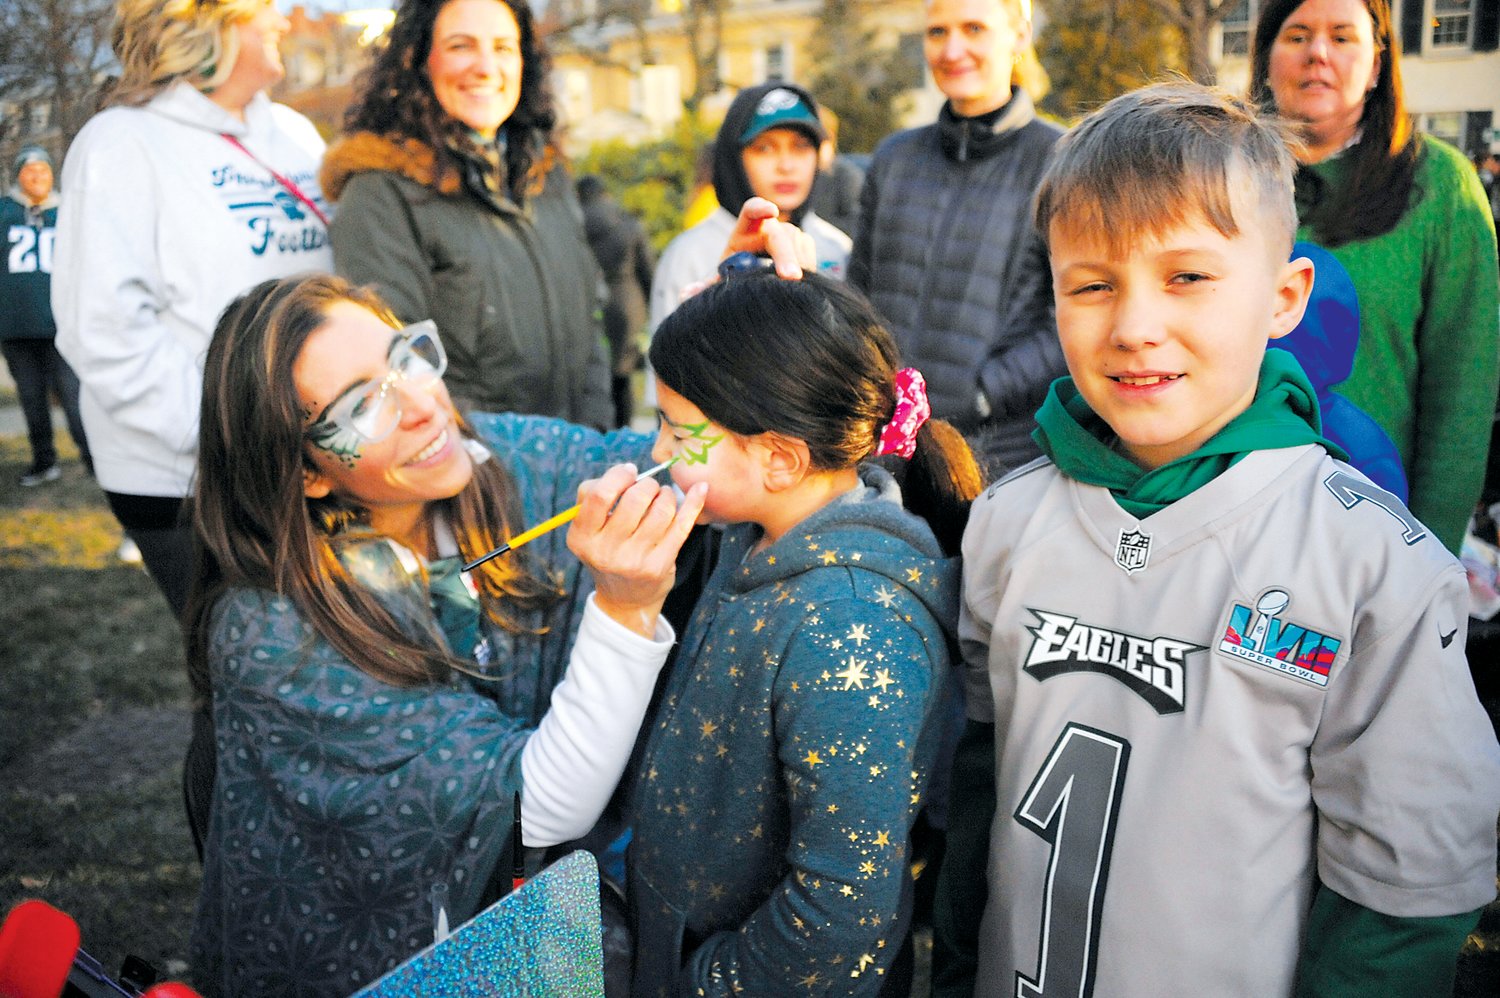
x: 37, y: 946
x: 170, y: 989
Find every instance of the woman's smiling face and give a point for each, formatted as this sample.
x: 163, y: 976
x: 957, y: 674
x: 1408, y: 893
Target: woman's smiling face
x: 475, y: 63
x: 422, y: 459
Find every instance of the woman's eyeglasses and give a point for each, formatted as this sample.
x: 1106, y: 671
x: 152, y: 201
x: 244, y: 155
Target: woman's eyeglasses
x: 371, y: 410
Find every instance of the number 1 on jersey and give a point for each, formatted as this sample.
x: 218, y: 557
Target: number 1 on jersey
x: 1073, y: 804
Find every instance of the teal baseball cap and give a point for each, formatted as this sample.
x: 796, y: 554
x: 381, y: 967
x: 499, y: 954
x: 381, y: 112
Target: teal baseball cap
x: 783, y: 108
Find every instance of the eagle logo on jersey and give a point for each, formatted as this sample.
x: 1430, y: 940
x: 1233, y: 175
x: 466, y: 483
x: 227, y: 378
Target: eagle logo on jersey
x: 1132, y: 551
x: 1151, y: 667
x: 1261, y: 635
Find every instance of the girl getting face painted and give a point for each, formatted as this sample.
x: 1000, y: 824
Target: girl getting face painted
x: 793, y: 740
x: 706, y: 452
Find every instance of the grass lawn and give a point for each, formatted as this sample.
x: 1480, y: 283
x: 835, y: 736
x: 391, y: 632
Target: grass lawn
x: 93, y: 726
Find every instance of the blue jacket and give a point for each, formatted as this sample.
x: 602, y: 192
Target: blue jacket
x: 789, y: 757
x: 1324, y: 343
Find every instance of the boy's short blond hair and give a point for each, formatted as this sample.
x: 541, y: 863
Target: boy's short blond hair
x: 1164, y: 156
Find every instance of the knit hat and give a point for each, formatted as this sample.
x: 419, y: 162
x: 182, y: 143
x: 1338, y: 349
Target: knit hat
x: 30, y: 154
x: 783, y: 108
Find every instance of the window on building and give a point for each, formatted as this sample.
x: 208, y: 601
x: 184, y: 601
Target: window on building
x: 1235, y: 39
x: 777, y: 60
x: 1470, y: 131
x: 1445, y: 125
x: 577, y: 95
x: 1450, y: 23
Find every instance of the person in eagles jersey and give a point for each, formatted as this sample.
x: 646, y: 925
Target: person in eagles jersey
x: 1218, y: 673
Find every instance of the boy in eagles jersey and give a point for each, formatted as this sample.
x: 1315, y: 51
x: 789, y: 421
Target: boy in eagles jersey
x: 1237, y: 750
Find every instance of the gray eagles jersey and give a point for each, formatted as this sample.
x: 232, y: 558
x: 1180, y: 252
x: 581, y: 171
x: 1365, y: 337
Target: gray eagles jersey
x: 1199, y: 712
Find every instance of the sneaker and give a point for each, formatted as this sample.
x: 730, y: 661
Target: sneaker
x: 37, y: 476
x: 129, y: 553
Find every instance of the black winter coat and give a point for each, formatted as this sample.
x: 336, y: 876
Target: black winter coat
x: 624, y: 253
x: 947, y: 252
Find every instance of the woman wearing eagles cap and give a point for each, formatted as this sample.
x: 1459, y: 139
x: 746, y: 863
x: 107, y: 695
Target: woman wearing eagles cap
x: 767, y: 147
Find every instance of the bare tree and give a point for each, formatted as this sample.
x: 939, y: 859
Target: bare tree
x: 1094, y: 50
x: 855, y: 75
x: 703, y: 26
x: 701, y: 23
x: 14, y: 71
x: 576, y: 23
x: 53, y: 55
x: 634, y: 13
x: 1195, y: 20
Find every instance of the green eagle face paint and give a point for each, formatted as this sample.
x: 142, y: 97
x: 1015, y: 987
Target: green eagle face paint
x: 706, y: 441
x: 341, y: 443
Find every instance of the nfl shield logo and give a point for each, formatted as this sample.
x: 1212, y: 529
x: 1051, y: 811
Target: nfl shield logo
x: 1133, y: 551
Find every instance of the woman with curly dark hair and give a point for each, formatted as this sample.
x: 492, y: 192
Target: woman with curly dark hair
x: 452, y: 201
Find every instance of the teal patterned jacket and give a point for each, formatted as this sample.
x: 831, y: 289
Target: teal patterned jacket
x: 340, y: 800
x: 789, y: 756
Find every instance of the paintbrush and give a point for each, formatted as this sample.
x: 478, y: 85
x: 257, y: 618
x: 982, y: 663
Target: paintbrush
x: 517, y: 851
x: 547, y: 526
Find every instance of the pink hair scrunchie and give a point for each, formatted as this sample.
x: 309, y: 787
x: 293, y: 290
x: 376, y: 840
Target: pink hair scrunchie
x: 899, y: 436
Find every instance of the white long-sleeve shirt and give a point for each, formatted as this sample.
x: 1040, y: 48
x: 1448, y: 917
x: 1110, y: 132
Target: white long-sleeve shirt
x: 571, y: 764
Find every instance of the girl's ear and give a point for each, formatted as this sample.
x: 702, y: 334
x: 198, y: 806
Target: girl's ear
x: 784, y: 460
x: 315, y: 484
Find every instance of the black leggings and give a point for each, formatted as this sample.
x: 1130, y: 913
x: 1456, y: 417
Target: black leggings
x: 37, y: 368
x: 159, y: 529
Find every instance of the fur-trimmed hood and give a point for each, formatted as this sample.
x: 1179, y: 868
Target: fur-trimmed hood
x: 19, y: 197
x: 365, y: 151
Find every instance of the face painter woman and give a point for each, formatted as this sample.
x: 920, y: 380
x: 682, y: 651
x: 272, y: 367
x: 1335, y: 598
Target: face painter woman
x: 375, y: 705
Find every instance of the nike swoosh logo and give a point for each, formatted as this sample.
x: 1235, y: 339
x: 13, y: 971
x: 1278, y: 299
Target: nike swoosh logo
x: 1447, y: 639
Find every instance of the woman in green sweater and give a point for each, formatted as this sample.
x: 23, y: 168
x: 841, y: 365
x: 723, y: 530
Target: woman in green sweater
x: 1406, y: 215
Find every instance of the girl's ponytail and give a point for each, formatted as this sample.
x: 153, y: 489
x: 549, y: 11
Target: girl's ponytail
x: 940, y: 482
x: 937, y: 472
x: 939, y: 479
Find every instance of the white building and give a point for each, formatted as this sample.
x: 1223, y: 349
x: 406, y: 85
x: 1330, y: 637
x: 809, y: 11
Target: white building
x: 1450, y: 64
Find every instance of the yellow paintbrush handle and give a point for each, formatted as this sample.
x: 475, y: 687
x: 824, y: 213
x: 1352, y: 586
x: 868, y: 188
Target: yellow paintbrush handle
x: 542, y: 528
x: 547, y: 526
